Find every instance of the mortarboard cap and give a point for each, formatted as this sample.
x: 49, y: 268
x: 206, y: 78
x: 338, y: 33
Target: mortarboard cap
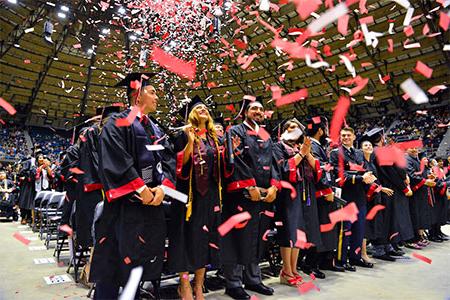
x: 143, y: 79
x: 313, y: 124
x: 187, y: 108
x: 105, y: 111
x: 374, y: 136
x: 246, y: 103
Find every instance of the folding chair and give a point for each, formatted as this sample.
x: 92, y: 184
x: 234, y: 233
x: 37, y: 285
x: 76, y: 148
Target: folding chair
x: 38, y: 199
x: 52, y: 216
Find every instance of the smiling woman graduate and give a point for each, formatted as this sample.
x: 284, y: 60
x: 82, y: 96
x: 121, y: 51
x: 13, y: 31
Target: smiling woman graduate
x: 132, y: 230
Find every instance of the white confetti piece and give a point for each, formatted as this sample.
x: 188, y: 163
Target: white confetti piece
x: 328, y: 17
x: 129, y: 292
x: 315, y: 65
x: 404, y: 3
x: 42, y: 261
x: 156, y: 147
x: 37, y: 248
x: 408, y: 16
x: 348, y: 65
x: 28, y: 30
x: 416, y: 94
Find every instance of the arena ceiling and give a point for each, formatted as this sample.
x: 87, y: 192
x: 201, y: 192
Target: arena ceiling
x: 65, y: 80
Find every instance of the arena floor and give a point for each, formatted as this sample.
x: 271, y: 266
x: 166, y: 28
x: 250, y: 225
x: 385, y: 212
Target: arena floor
x: 408, y: 278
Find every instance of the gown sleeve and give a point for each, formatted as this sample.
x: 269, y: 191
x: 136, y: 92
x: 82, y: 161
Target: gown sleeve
x: 118, y: 173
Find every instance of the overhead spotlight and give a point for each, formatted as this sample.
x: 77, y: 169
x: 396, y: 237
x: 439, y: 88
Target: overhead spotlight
x: 122, y: 10
x: 133, y: 38
x: 106, y: 30
x: 227, y: 5
x: 61, y: 15
x: 172, y: 43
x: 90, y: 51
x: 264, y: 5
x: 12, y: 1
x: 64, y: 8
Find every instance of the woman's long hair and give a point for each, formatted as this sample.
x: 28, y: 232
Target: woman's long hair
x: 194, y: 120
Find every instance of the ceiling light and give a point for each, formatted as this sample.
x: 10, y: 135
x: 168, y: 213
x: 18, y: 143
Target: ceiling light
x: 61, y: 15
x: 133, y: 37
x: 122, y: 10
x: 64, y: 8
x: 90, y: 51
x: 105, y: 30
x: 12, y: 1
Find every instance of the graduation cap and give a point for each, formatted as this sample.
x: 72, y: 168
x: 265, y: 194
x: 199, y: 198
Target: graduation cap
x: 294, y: 135
x: 135, y: 80
x: 313, y: 124
x: 186, y: 109
x: 219, y: 119
x: 246, y: 104
x: 373, y: 136
x: 105, y: 111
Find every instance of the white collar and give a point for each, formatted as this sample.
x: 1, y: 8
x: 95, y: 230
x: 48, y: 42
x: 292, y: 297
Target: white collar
x: 313, y: 139
x: 249, y: 126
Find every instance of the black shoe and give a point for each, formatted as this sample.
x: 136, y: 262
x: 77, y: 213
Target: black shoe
x: 330, y: 267
x: 237, y: 293
x: 361, y: 263
x: 349, y: 267
x: 396, y: 253
x: 385, y: 257
x: 318, y: 274
x: 260, y: 289
x: 436, y: 239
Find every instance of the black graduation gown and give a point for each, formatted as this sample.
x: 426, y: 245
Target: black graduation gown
x: 27, y: 189
x: 253, y: 166
x: 71, y: 160
x: 397, y: 217
x: 299, y: 213
x: 90, y: 188
x: 420, y: 206
x: 6, y: 198
x: 129, y: 233
x: 192, y: 243
x: 324, y: 185
x: 375, y: 229
x: 352, y: 185
x: 440, y: 192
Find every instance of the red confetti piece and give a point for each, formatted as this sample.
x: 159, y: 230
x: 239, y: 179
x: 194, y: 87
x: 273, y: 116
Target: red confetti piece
x: 129, y: 119
x: 27, y: 61
x: 338, y: 118
x: 240, y: 44
x: 343, y: 24
x: 264, y: 237
x: 216, y: 208
x: 205, y: 228
x: 423, y: 69
x: 301, y: 242
x: 212, y: 245
x: 366, y: 20
x: 61, y: 264
x: 306, y: 287
x: 390, y: 155
x: 102, y: 240
x: 127, y: 260
x: 356, y: 167
x: 229, y: 224
x: 444, y: 20
x: 141, y: 239
x: 408, y: 30
x: 390, y: 45
x: 421, y: 257
x: 270, y: 214
x: 76, y: 171
x: 292, y: 97
x: 77, y: 46
x: 347, y: 213
x: 371, y: 214
x: 433, y: 90
x: 409, y: 144
x: 306, y: 7
x: 393, y: 235
x: 287, y: 185
x: 8, y: 107
x: 348, y: 233
x: 67, y: 229
x: 326, y: 227
x: 174, y: 64
x: 21, y: 238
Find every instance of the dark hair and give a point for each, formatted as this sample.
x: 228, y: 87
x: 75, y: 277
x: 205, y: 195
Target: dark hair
x: 288, y: 124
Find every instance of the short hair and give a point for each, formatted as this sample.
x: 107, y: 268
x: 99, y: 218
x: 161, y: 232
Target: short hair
x: 348, y: 128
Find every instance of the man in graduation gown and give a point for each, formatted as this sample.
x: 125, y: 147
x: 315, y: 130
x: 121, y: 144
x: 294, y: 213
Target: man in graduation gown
x: 420, y: 204
x: 352, y: 182
x: 90, y: 188
x: 252, y: 187
x: 317, y: 130
x: 69, y: 162
x: 27, y: 190
x: 132, y: 229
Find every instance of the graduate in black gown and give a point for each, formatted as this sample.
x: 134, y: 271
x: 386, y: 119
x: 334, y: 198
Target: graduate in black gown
x: 352, y: 182
x: 90, y: 187
x: 132, y: 229
x: 193, y: 237
x: 252, y: 187
x: 317, y: 130
x: 441, y: 203
x: 378, y: 228
x: 300, y: 214
x: 420, y: 204
x: 27, y: 190
x: 70, y: 161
